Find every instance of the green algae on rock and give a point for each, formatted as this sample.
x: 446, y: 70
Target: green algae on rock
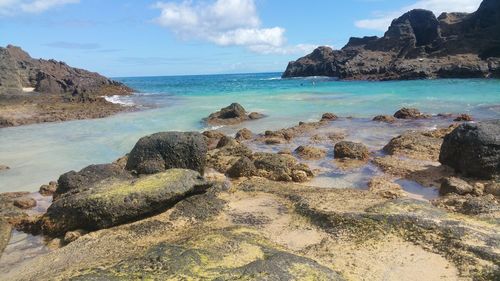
x: 115, y: 202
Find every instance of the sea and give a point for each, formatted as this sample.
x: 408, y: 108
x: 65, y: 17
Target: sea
x: 39, y: 153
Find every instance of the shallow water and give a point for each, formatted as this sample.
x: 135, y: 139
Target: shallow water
x: 40, y: 153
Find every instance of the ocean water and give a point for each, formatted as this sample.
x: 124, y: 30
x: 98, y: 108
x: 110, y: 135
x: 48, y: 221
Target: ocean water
x: 40, y: 153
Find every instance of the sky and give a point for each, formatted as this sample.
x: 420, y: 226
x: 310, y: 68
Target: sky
x: 123, y: 38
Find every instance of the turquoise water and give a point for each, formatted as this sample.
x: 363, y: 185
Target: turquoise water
x: 40, y: 153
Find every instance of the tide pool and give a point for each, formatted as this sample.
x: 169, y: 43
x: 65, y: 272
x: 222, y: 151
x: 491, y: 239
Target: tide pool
x: 40, y: 153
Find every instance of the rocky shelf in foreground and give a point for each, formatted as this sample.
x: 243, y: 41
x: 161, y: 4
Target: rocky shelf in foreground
x: 417, y: 45
x: 37, y: 90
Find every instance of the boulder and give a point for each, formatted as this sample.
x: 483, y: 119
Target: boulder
x: 74, y: 181
x: 244, y: 167
x: 223, y: 158
x: 351, y: 150
x: 455, y: 185
x: 114, y: 202
x: 280, y: 167
x: 230, y: 115
x: 473, y: 149
x: 384, y: 118
x: 329, y: 117
x: 244, y: 134
x: 409, y: 113
x: 212, y: 138
x: 310, y: 153
x: 162, y: 151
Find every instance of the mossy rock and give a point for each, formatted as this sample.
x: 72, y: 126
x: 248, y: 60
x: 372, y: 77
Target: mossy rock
x: 114, y: 202
x: 228, y: 254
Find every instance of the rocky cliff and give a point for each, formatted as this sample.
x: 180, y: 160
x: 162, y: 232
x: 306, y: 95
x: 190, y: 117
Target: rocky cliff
x: 416, y: 45
x: 18, y: 70
x: 37, y: 90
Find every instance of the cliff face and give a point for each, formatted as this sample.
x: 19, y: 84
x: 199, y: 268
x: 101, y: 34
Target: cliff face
x: 416, y: 45
x: 18, y: 70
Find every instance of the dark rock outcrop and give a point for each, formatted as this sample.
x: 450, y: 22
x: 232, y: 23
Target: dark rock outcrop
x: 115, y: 202
x: 473, y: 149
x: 162, y: 151
x: 416, y: 45
x: 37, y: 90
x: 232, y: 114
x: 18, y: 70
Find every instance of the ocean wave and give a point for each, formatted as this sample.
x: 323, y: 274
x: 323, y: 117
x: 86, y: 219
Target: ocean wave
x: 116, y: 99
x: 271, y: 79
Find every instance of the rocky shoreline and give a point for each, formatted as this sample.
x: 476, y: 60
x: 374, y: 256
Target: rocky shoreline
x: 417, y: 45
x: 37, y: 91
x: 211, y: 206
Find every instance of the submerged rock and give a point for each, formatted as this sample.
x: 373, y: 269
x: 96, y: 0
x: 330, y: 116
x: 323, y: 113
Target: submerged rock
x: 384, y: 118
x: 351, y: 150
x: 115, y: 202
x: 74, y: 181
x: 4, y: 167
x: 473, y: 149
x: 162, y: 151
x: 310, y: 152
x: 232, y: 114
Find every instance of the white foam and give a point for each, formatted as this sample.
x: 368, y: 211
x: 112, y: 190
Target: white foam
x: 28, y: 89
x: 116, y: 99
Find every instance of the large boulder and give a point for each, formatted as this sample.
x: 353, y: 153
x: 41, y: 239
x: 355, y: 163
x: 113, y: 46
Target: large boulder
x: 473, y: 149
x: 351, y: 150
x: 114, y: 202
x: 72, y: 181
x: 162, y: 151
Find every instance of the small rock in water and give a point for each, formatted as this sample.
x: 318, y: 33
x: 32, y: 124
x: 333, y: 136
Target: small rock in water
x: 384, y: 118
x: 255, y: 116
x: 244, y: 134
x: 25, y: 203
x: 48, y: 189
x: 4, y: 167
x: 455, y: 185
x: 231, y: 115
x: 329, y: 117
x: 463, y: 117
x: 409, y: 113
x: 351, y: 150
x: 310, y: 153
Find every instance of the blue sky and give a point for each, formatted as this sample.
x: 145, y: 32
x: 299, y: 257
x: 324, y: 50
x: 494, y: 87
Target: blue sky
x: 171, y: 37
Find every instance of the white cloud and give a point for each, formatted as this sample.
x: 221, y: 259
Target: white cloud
x: 12, y: 7
x: 224, y: 23
x: 381, y: 21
